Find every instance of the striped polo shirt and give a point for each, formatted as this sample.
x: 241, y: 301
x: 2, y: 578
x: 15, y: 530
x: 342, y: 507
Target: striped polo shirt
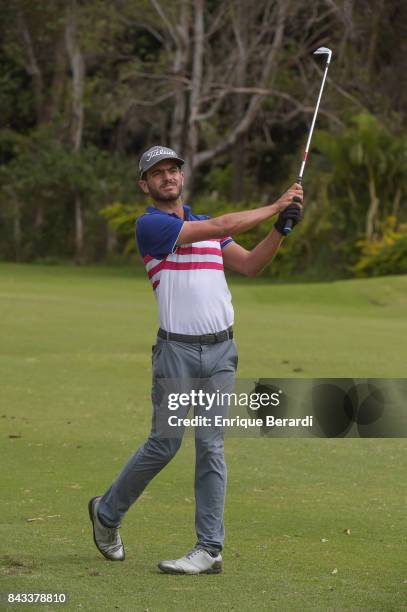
x: 188, y: 280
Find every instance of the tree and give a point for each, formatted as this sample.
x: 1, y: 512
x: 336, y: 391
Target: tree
x: 77, y: 66
x: 231, y: 85
x: 369, y: 166
x: 210, y: 55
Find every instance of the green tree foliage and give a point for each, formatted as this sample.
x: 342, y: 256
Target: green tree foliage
x: 38, y: 189
x: 367, y: 172
x: 385, y: 255
x: 86, y: 86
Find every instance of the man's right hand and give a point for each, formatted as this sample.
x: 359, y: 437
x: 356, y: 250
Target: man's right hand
x: 295, y: 191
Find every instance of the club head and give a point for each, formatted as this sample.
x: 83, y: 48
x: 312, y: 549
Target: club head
x: 324, y: 51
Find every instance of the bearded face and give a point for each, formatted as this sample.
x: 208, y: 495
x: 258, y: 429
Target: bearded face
x: 163, y: 182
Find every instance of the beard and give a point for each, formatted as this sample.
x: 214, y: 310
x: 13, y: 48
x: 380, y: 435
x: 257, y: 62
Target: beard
x: 161, y: 196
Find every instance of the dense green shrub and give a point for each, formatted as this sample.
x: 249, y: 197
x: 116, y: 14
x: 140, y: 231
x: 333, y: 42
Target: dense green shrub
x: 121, y: 218
x: 386, y: 255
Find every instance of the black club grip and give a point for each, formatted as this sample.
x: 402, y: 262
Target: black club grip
x: 289, y: 224
x: 288, y: 227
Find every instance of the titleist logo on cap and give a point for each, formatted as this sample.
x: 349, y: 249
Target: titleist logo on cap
x: 159, y: 151
x: 156, y: 154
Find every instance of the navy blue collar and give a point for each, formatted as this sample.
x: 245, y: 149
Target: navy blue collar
x: 153, y: 210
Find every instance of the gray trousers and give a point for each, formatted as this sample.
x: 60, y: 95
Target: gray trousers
x: 210, y: 367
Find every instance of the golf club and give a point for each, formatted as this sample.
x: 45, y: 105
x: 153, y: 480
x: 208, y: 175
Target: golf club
x: 328, y: 53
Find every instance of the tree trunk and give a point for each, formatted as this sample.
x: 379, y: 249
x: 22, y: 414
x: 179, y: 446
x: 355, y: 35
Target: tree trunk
x: 39, y: 217
x: 396, y: 205
x: 374, y: 38
x: 31, y: 66
x: 111, y: 240
x: 373, y: 207
x: 180, y: 66
x: 17, y: 229
x: 58, y: 81
x: 77, y: 66
x: 78, y: 230
x: 239, y: 149
x: 196, y: 85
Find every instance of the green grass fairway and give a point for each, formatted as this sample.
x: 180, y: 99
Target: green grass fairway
x: 75, y: 384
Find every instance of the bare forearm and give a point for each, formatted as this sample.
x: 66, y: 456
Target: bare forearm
x: 263, y: 253
x: 236, y: 223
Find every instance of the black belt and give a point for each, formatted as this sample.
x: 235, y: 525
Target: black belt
x: 226, y: 334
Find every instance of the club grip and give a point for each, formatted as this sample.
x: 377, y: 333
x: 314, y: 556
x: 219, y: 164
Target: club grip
x: 289, y: 224
x: 288, y: 227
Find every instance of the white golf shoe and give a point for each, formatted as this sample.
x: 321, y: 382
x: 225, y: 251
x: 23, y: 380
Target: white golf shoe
x: 196, y: 561
x: 107, y: 539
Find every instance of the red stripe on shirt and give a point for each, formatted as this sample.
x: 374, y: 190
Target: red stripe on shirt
x: 147, y: 259
x: 198, y: 251
x: 156, y: 268
x: 192, y: 265
x: 184, y: 265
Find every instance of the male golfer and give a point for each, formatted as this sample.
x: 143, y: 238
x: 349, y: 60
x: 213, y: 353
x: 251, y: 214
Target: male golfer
x: 185, y: 255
